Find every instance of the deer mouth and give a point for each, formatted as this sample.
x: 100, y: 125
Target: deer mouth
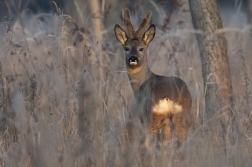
x: 133, y: 61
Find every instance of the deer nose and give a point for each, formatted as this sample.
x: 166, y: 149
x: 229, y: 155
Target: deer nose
x: 133, y: 60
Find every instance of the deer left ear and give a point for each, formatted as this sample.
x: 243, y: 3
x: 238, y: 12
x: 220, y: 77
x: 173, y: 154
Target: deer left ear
x: 120, y: 34
x: 149, y: 34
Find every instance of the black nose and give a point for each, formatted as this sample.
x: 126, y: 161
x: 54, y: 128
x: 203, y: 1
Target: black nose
x: 133, y: 60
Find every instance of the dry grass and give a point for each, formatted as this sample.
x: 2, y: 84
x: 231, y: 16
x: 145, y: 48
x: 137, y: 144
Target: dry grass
x: 65, y: 97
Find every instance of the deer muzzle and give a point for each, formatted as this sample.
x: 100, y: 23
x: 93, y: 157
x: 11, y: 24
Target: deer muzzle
x: 133, y: 60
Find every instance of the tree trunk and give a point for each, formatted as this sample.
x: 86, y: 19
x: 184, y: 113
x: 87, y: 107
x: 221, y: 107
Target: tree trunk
x: 96, y: 18
x: 250, y: 10
x: 213, y: 53
x: 215, y: 68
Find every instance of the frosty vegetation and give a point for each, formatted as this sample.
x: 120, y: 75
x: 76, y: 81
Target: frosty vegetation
x: 65, y: 96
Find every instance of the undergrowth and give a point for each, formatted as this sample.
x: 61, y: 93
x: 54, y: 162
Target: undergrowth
x: 65, y: 97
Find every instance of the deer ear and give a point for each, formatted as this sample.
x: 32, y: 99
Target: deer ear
x: 149, y: 34
x: 120, y: 34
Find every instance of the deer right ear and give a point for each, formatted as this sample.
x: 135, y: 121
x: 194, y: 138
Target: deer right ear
x: 149, y: 34
x: 120, y: 34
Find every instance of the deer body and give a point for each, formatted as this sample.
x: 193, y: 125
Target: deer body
x: 164, y: 100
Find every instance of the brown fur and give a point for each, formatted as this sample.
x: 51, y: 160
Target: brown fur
x: 158, y: 88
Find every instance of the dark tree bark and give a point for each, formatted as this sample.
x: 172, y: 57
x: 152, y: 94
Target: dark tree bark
x: 215, y: 68
x: 213, y: 53
x: 250, y: 10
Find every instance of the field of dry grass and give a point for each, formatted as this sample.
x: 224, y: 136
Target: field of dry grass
x: 65, y: 98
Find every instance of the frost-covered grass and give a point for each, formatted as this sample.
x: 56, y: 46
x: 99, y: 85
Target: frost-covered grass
x: 65, y: 97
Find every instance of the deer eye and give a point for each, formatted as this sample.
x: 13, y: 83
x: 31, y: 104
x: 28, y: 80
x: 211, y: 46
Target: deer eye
x: 141, y: 49
x: 126, y: 49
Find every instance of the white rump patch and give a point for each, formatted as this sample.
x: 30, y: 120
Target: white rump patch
x: 166, y: 106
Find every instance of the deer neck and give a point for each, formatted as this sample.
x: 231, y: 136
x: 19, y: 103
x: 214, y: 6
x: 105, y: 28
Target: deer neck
x: 138, y: 76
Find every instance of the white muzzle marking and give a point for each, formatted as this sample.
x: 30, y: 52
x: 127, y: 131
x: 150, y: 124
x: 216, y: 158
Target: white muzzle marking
x: 166, y: 106
x: 133, y: 63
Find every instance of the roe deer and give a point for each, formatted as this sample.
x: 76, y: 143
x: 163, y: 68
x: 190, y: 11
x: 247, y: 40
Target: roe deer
x: 165, y: 100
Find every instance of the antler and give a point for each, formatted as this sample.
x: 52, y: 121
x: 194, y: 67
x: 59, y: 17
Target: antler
x: 128, y: 23
x: 139, y: 33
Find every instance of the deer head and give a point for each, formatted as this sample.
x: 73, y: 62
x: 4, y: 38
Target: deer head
x: 135, y: 43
